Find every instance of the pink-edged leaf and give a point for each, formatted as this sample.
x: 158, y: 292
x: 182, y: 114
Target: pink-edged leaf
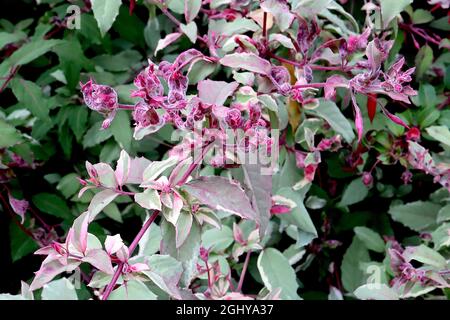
x: 138, y: 166
x: 80, y: 232
x: 140, y: 132
x: 19, y: 207
x: 358, y: 119
x: 149, y: 199
x: 113, y: 244
x: 165, y: 272
x: 182, y: 228
x: 215, y: 92
x: 123, y: 168
x: 394, y: 118
x: 49, y: 270
x: 247, y: 61
x: 221, y: 194
x: 236, y: 296
x: 100, y: 260
x: 332, y: 83
x: 84, y: 189
x: 281, y: 12
x: 167, y: 40
x: 259, y: 190
x: 100, y: 201
x: 105, y: 174
x: 238, y: 235
x: 191, y: 9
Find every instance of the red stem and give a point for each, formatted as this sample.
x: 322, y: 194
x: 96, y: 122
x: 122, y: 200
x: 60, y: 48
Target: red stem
x: 131, y: 248
x: 10, y: 76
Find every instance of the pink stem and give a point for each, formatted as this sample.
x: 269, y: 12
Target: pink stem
x: 309, y: 85
x: 126, y: 106
x: 193, y: 165
x: 244, y: 271
x: 131, y: 248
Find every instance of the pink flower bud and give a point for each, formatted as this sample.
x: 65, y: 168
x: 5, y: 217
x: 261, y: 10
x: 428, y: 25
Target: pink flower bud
x: 255, y: 112
x: 204, y: 254
x: 234, y: 118
x: 99, y: 98
x: 413, y: 134
x: 367, y: 178
x: 406, y: 177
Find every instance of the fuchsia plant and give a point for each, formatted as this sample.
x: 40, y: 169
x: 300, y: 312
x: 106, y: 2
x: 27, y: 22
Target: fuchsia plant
x: 278, y: 54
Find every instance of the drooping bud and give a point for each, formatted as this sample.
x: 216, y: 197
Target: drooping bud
x: 99, y: 98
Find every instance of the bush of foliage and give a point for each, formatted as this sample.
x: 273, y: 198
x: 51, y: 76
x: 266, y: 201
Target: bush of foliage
x: 225, y: 149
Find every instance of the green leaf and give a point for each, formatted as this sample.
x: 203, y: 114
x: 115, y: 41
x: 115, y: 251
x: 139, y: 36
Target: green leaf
x: 100, y: 201
x: 375, y: 291
x: 30, y: 51
x: 355, y: 192
x: 113, y: 212
x: 119, y: 62
x: 418, y: 215
x: 298, y: 216
x: 51, y: 204
x: 441, y: 24
x: 165, y: 272
x: 352, y: 274
x: 390, y: 9
x: 183, y: 227
x: 61, y: 289
x: 190, y: 30
x: 6, y: 38
x: 30, y: 95
x: 277, y: 273
x: 441, y: 236
x: 65, y: 139
x: 9, y: 136
x: 95, y: 135
x: 217, y: 239
x: 331, y: 113
x: 105, y: 12
x: 260, y: 192
x: 150, y: 241
x: 78, y: 116
x: 424, y: 59
x: 421, y: 16
x: 370, y: 238
x: 192, y: 8
x: 221, y: 194
x: 187, y: 254
x: 68, y: 185
x: 444, y: 214
x: 427, y: 95
x: 440, y: 133
x: 149, y: 199
x: 121, y: 129
x: 132, y: 290
x: 21, y: 243
x: 156, y: 168
x: 425, y: 255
